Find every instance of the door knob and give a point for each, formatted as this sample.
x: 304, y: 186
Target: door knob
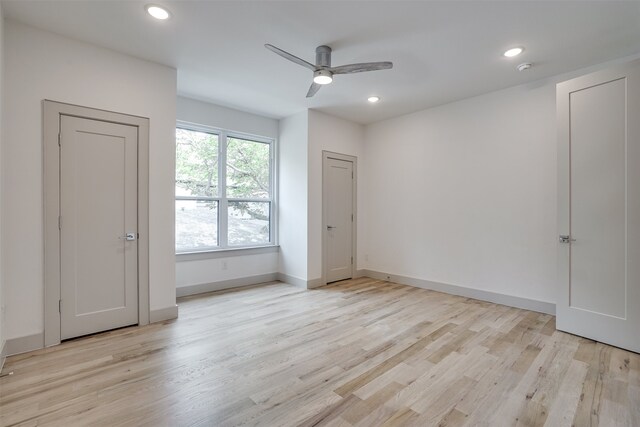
x: 329, y: 227
x: 565, y: 238
x: 129, y: 237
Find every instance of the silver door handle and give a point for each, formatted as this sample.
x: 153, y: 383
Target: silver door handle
x: 329, y: 227
x: 565, y: 238
x: 129, y: 237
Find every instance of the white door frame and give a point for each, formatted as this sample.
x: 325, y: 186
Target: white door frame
x: 51, y: 184
x: 354, y: 160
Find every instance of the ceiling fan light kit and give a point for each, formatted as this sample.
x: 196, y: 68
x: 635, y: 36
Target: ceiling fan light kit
x: 322, y: 77
x: 323, y: 72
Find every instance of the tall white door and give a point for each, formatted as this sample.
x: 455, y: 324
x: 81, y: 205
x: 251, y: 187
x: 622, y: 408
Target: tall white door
x: 599, y: 206
x: 338, y: 228
x: 98, y: 226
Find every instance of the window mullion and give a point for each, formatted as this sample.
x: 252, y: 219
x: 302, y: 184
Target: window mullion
x: 222, y: 185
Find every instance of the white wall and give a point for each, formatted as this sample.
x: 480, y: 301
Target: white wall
x: 329, y: 133
x: 210, y: 271
x: 293, y: 195
x: 2, y: 293
x: 204, y: 113
x: 225, y: 269
x: 465, y: 194
x: 42, y: 65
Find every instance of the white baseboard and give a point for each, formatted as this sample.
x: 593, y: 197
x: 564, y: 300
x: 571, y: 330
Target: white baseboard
x: 509, y: 300
x: 33, y: 342
x: 161, y: 314
x: 315, y: 283
x: 296, y: 281
x: 184, y: 291
x: 292, y: 280
x: 24, y: 344
x: 3, y: 354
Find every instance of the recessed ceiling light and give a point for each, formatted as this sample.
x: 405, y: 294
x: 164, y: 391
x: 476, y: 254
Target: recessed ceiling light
x: 157, y: 12
x: 513, y: 52
x: 322, y: 77
x: 373, y: 99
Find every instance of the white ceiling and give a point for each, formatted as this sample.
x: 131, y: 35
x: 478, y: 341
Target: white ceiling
x: 442, y: 51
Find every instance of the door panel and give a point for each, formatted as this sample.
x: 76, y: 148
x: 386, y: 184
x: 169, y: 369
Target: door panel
x: 338, y: 194
x: 597, y: 150
x: 98, y: 207
x: 599, y: 206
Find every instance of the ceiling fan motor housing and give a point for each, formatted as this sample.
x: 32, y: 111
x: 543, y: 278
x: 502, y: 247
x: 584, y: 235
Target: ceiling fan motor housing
x: 323, y: 56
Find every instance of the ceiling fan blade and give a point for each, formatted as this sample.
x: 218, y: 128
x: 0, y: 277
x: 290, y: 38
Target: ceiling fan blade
x: 290, y: 57
x: 313, y: 89
x: 359, y: 68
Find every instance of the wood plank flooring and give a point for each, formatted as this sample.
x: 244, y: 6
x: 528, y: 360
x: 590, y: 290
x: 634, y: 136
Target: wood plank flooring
x: 357, y: 353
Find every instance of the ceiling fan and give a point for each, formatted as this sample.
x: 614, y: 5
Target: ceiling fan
x: 323, y: 71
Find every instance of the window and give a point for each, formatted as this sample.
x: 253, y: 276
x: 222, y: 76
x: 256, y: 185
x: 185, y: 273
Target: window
x: 224, y: 190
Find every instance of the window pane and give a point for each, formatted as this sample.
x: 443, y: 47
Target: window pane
x: 247, y: 169
x: 249, y: 223
x: 196, y: 224
x: 196, y: 163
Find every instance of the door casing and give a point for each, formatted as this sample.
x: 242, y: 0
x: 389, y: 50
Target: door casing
x: 51, y: 184
x: 354, y: 160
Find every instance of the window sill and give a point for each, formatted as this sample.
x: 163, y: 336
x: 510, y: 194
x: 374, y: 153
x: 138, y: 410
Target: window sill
x: 226, y: 253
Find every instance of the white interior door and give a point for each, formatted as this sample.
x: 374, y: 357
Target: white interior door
x: 599, y: 206
x: 98, y: 226
x: 338, y: 228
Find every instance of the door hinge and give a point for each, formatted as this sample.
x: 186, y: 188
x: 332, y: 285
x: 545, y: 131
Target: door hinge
x: 59, y: 222
x: 59, y: 306
x: 351, y: 260
x: 59, y: 140
x: 351, y: 217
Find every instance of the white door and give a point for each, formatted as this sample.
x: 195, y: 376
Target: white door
x: 599, y: 206
x: 338, y: 228
x: 98, y: 226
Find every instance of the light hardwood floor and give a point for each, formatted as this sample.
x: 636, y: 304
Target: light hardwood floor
x: 361, y: 352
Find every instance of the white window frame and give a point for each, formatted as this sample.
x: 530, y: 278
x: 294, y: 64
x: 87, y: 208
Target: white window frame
x: 223, y: 201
